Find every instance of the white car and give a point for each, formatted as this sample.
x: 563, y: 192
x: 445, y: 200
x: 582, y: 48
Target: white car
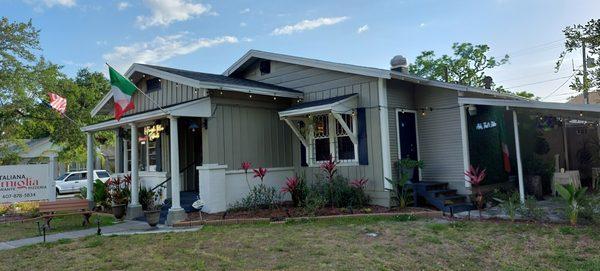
x: 72, y: 182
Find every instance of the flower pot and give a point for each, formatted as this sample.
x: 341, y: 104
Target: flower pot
x: 119, y: 210
x: 152, y: 217
x: 534, y: 186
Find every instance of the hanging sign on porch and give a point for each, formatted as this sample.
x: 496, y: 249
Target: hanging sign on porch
x: 25, y: 183
x: 485, y: 125
x: 153, y: 132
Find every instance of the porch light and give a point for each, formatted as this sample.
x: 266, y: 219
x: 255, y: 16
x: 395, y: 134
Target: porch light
x: 581, y: 114
x: 193, y: 127
x: 472, y: 110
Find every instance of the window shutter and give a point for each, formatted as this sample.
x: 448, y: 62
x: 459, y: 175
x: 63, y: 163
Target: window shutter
x: 303, y: 156
x: 363, y: 152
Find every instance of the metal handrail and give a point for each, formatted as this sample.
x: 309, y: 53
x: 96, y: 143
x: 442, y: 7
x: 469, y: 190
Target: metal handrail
x: 168, y: 179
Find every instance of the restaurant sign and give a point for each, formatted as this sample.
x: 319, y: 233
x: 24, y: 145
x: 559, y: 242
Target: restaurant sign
x: 25, y: 183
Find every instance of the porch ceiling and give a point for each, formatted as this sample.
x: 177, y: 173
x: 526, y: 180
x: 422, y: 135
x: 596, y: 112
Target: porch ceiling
x: 196, y: 108
x: 572, y: 111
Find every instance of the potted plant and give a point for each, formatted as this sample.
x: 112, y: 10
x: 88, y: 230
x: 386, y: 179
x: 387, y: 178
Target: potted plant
x: 475, y: 178
x: 151, y: 202
x: 407, y: 166
x: 118, y: 193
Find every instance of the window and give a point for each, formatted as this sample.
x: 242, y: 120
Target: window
x: 265, y: 67
x: 329, y: 138
x: 152, y: 84
x: 345, y: 147
x: 149, y: 151
x: 102, y: 174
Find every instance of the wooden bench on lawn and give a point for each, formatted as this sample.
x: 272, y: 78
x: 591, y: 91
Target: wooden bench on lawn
x: 49, y: 209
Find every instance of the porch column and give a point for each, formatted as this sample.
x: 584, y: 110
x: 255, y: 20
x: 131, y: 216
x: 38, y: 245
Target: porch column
x: 519, y: 163
x: 90, y: 167
x: 134, y: 209
x: 464, y: 133
x: 566, y: 145
x: 118, y: 151
x: 176, y: 213
x: 125, y: 156
x: 52, y: 168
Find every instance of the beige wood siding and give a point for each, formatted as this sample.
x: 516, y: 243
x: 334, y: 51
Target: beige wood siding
x: 169, y: 94
x: 320, y: 84
x: 440, y: 142
x: 240, y: 131
x: 400, y: 95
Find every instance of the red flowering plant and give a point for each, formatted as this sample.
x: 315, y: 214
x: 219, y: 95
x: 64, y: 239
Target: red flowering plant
x: 119, y: 190
x: 329, y: 167
x: 246, y: 166
x: 359, y: 183
x: 297, y: 188
x: 260, y: 173
x: 475, y: 178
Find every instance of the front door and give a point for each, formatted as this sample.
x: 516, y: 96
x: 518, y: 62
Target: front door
x: 190, y: 152
x: 407, y: 135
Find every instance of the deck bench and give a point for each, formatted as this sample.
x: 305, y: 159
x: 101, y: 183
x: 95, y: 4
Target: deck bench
x: 66, y: 207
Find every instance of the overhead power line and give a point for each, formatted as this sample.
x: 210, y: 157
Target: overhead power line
x: 559, y: 87
x: 539, y: 82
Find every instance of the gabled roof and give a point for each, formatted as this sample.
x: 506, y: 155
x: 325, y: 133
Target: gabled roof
x: 203, y: 80
x: 221, y: 79
x: 254, y: 55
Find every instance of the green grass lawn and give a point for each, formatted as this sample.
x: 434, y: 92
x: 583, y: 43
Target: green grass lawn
x: 339, y: 244
x: 20, y: 230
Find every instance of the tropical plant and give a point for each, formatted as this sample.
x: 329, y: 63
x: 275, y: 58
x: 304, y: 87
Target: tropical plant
x: 359, y: 197
x: 573, y: 198
x: 329, y: 167
x: 297, y: 189
x: 99, y: 194
x: 118, y: 190
x: 475, y: 178
x: 401, y: 191
x: 150, y: 199
x: 511, y: 205
x: 260, y: 173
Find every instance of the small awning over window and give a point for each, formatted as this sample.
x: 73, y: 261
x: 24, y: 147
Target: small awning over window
x: 340, y: 104
x: 338, y: 110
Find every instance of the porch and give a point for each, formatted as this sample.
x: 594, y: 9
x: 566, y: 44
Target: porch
x: 147, y: 147
x: 530, y: 145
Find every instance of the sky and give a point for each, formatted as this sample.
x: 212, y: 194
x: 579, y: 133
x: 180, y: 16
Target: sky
x: 208, y: 36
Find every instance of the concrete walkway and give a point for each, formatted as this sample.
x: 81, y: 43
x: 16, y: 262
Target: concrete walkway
x: 128, y: 227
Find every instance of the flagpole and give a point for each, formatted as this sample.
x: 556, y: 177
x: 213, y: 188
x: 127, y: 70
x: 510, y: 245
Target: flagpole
x: 145, y: 95
x: 62, y: 114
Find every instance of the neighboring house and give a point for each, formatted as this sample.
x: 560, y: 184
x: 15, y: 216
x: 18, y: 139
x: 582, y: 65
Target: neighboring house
x: 594, y: 97
x: 289, y: 114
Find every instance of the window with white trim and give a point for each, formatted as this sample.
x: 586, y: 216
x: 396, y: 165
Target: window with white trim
x: 329, y: 138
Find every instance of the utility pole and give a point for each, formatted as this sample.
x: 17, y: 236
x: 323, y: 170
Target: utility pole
x: 586, y: 95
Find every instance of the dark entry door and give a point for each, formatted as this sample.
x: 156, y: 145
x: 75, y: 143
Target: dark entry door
x: 407, y: 131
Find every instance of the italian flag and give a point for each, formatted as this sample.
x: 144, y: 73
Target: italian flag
x: 122, y: 90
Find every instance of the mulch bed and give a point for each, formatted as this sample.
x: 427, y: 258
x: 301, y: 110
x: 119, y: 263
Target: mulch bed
x: 288, y: 211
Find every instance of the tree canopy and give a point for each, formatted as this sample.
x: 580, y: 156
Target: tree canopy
x: 26, y: 78
x: 466, y: 66
x: 575, y: 36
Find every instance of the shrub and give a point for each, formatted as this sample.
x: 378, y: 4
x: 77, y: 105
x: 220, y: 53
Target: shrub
x: 574, y: 198
x: 511, y: 205
x: 316, y: 198
x: 4, y: 208
x: 100, y: 194
x: 29, y: 208
x: 259, y: 197
x: 297, y: 189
